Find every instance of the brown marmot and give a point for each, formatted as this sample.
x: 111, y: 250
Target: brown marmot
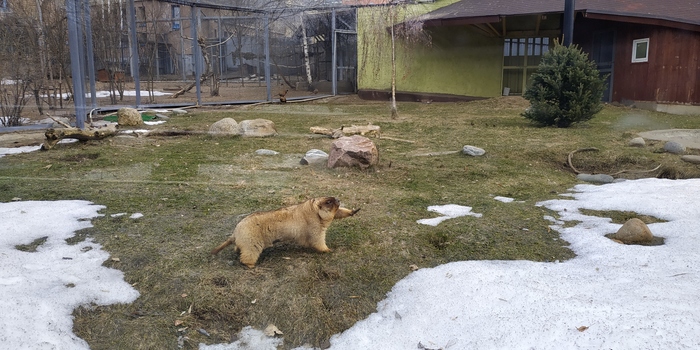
x: 305, y: 224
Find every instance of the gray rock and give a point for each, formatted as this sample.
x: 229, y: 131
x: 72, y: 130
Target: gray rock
x: 258, y: 128
x: 266, y: 152
x: 691, y: 159
x: 473, y: 151
x: 315, y: 157
x: 127, y: 116
x: 353, y: 151
x: 162, y: 116
x: 637, y: 142
x: 178, y: 111
x: 674, y: 147
x: 633, y: 231
x: 597, y: 178
x: 225, y: 127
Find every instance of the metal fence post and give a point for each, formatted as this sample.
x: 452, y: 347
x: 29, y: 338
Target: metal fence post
x: 73, y: 44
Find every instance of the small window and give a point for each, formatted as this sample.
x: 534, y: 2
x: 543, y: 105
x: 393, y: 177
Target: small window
x: 141, y: 16
x: 176, y: 16
x: 640, y: 50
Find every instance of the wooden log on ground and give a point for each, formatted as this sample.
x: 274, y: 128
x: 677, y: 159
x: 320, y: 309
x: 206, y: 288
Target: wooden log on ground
x: 53, y: 136
x: 368, y: 129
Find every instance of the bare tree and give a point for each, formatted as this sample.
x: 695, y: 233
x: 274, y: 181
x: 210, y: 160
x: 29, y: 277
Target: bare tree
x: 110, y: 45
x: 18, y: 59
x: 396, y: 25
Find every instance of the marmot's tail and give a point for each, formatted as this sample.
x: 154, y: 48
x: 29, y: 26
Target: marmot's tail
x: 226, y: 243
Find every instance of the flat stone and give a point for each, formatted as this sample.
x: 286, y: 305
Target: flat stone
x: 597, y: 178
x: 637, y: 142
x: 266, y: 152
x: 691, y: 159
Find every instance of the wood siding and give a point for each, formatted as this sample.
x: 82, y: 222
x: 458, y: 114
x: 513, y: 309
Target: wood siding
x: 672, y: 73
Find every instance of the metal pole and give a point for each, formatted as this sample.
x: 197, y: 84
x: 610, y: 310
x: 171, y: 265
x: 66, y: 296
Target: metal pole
x: 182, y: 52
x: 78, y: 92
x: 134, y: 52
x: 266, y: 23
x: 569, y: 15
x: 90, y: 54
x: 334, y: 64
x: 221, y: 52
x: 196, y: 55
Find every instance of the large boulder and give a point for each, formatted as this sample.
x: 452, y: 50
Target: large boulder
x: 633, y: 231
x: 258, y: 128
x: 225, y: 127
x: 127, y: 116
x: 353, y: 151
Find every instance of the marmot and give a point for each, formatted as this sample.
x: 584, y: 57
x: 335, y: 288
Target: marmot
x: 305, y: 224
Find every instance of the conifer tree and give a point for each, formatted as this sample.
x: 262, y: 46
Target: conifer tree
x: 567, y: 88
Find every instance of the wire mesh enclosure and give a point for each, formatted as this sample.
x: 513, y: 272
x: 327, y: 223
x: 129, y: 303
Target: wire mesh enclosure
x: 180, y: 53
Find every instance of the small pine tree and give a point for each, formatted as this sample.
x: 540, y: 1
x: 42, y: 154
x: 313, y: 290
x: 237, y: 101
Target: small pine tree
x: 567, y: 88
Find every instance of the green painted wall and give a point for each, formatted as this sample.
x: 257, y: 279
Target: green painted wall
x: 460, y: 61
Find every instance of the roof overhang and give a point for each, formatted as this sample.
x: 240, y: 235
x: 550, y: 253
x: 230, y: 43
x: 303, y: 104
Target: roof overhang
x: 656, y: 21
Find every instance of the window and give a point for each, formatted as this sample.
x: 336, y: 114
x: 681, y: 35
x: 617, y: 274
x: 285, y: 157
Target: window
x: 521, y: 57
x: 176, y: 16
x: 141, y: 16
x: 640, y: 50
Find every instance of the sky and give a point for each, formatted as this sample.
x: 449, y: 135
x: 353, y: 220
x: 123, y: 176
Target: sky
x: 609, y: 296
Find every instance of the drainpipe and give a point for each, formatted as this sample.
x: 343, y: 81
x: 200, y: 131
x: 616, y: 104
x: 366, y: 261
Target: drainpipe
x: 569, y: 16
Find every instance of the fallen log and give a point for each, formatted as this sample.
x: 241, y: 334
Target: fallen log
x: 368, y: 129
x: 53, y: 136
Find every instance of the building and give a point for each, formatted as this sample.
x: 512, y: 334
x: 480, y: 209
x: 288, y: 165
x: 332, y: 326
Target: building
x: 484, y: 48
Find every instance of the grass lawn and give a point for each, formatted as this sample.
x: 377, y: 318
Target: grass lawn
x: 192, y: 190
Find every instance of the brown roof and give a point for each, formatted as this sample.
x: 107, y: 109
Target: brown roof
x: 685, y: 13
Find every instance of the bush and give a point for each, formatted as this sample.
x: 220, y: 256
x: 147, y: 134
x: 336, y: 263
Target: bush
x: 566, y: 89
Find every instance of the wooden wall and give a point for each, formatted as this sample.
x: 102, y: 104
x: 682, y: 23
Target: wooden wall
x: 672, y: 74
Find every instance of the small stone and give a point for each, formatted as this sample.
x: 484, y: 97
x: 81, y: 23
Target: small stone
x: 674, y: 147
x: 637, y: 142
x: 473, y: 151
x: 162, y: 116
x: 633, y: 231
x: 597, y: 178
x: 691, y: 159
x: 179, y: 111
x: 266, y: 152
x: 315, y: 157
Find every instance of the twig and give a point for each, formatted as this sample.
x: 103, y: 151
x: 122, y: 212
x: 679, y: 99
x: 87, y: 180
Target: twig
x: 58, y: 121
x: 571, y: 154
x: 395, y: 139
x: 636, y: 171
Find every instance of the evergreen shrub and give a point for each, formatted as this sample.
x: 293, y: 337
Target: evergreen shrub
x: 567, y: 88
